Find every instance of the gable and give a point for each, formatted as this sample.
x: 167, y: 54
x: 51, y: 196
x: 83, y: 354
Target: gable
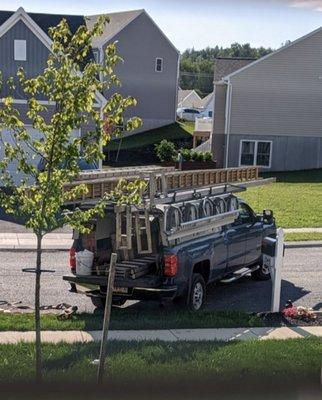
x: 301, y: 50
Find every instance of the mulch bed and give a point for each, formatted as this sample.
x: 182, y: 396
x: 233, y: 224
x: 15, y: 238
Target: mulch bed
x: 278, y: 319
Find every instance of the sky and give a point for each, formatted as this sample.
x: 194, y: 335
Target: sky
x: 202, y: 23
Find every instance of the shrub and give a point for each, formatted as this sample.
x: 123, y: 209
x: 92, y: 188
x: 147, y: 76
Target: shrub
x: 194, y: 156
x: 165, y: 151
x: 207, y: 156
x: 186, y: 154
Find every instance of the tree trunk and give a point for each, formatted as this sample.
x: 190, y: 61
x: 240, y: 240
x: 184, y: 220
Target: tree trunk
x: 37, y: 312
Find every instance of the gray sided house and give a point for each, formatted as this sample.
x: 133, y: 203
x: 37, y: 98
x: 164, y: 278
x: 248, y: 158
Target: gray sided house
x: 268, y: 113
x: 150, y: 69
x: 149, y: 72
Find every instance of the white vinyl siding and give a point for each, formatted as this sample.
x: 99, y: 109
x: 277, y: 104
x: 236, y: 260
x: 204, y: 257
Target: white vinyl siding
x: 20, y: 50
x: 255, y: 152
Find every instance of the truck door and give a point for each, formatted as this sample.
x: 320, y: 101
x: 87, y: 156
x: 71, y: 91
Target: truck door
x: 237, y: 236
x: 254, y: 236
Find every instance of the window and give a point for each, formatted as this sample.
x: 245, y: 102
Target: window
x: 246, y: 215
x: 159, y: 64
x: 20, y: 50
x: 255, y: 152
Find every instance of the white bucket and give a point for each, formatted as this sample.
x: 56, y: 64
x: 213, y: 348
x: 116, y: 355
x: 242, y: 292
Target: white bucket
x: 84, y: 262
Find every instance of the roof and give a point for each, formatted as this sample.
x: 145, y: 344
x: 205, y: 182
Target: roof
x: 45, y: 21
x: 226, y: 66
x: 190, y: 96
x: 117, y: 22
x: 207, y: 99
x: 285, y: 47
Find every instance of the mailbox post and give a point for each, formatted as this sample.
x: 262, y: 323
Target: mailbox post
x: 273, y: 253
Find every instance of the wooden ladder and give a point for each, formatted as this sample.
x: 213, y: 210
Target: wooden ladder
x: 143, y: 232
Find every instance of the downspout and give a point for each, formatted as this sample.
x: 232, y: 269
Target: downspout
x: 227, y: 119
x: 101, y: 60
x: 177, y: 88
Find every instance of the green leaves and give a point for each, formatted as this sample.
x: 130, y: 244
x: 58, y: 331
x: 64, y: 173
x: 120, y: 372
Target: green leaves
x: 64, y: 106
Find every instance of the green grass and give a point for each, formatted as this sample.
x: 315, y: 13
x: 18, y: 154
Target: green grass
x: 124, y: 319
x: 179, y: 130
x: 296, y: 198
x: 301, y: 236
x: 148, y: 361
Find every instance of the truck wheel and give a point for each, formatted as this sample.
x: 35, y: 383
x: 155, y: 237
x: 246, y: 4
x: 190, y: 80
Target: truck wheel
x: 99, y: 302
x: 261, y: 274
x: 197, y: 295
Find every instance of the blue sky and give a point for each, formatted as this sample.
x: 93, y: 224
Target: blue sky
x: 202, y: 23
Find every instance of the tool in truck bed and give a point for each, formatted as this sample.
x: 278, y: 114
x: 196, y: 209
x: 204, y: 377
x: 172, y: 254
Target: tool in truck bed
x: 174, y: 237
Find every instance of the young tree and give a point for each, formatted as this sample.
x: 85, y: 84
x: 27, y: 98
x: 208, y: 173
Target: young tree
x: 70, y: 84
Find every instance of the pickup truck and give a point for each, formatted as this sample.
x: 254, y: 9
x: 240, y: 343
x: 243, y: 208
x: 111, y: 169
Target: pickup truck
x: 172, y: 272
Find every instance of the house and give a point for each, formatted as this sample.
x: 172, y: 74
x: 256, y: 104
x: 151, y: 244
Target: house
x: 150, y: 69
x: 268, y: 113
x: 208, y: 104
x: 189, y: 99
x: 149, y: 72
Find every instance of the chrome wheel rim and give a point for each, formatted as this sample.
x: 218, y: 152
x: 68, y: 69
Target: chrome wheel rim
x: 197, y: 296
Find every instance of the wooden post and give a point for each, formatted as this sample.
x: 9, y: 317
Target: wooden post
x: 107, y: 315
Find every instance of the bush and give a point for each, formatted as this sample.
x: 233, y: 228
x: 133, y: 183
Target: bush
x: 166, y: 151
x: 194, y: 156
x: 207, y: 156
x: 186, y: 154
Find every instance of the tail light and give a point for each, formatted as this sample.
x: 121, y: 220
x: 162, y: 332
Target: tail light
x: 72, y: 258
x: 170, y: 265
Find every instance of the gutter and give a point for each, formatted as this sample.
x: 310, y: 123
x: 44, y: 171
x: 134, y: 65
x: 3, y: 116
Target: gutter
x: 227, y: 118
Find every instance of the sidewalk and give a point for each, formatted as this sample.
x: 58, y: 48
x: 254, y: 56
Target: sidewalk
x: 169, y: 335
x: 28, y: 241
x: 303, y: 230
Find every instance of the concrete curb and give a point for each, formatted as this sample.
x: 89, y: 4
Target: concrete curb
x: 303, y: 244
x: 168, y: 335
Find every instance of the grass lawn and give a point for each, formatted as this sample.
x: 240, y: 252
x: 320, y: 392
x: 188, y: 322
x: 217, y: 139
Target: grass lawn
x: 179, y: 130
x: 298, y: 237
x: 148, y: 361
x: 296, y: 198
x: 130, y: 319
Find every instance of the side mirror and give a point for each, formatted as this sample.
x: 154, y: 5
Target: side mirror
x: 268, y: 215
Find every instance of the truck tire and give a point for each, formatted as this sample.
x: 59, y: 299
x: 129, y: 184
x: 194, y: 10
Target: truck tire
x: 197, y: 294
x: 261, y: 274
x: 99, y: 302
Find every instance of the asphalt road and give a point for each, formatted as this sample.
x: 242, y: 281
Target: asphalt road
x: 302, y: 283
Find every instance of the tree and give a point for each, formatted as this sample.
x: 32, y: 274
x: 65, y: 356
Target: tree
x: 197, y: 66
x: 70, y: 83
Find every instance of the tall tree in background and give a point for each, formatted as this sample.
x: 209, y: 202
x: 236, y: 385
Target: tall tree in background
x: 197, y: 66
x: 70, y: 83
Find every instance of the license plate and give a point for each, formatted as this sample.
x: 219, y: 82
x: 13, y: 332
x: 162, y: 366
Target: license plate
x: 123, y: 290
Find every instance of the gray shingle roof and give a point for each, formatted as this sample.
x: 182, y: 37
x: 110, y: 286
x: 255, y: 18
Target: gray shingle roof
x: 118, y: 21
x: 226, y: 66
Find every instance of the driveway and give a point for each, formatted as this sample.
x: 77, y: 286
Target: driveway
x: 302, y: 283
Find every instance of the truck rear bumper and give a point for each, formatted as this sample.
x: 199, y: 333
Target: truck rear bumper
x: 79, y: 285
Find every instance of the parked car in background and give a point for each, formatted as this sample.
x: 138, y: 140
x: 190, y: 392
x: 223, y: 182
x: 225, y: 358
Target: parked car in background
x: 188, y: 114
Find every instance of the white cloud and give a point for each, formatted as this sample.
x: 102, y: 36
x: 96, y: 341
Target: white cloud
x: 312, y: 4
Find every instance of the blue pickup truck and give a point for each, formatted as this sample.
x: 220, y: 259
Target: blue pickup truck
x: 181, y: 271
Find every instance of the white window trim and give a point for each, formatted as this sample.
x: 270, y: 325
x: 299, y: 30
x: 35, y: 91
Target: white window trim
x: 20, y: 50
x: 156, y: 63
x: 255, y: 153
